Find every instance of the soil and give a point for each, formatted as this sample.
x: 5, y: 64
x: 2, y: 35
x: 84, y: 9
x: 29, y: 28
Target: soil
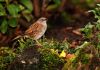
x: 70, y: 31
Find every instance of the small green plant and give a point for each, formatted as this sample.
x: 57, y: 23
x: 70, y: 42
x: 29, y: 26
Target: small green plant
x: 11, y: 11
x: 22, y: 44
x: 78, y: 57
x: 6, y: 57
x: 98, y: 25
x: 87, y: 30
x: 53, y: 44
x: 96, y: 11
x: 50, y: 60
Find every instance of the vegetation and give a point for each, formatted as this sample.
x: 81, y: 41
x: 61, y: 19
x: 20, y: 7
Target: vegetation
x: 11, y: 11
x: 52, y: 54
x: 7, y: 56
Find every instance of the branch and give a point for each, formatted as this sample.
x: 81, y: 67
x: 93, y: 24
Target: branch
x: 64, y: 2
x: 24, y: 23
x: 36, y: 8
x: 44, y: 5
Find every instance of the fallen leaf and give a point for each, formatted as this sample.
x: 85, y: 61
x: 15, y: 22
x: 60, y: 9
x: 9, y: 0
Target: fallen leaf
x: 62, y: 54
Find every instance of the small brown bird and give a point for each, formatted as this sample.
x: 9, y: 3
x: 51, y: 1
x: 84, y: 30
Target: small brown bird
x: 37, y: 29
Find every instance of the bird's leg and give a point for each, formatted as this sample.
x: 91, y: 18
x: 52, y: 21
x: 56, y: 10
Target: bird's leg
x: 43, y: 37
x: 37, y: 42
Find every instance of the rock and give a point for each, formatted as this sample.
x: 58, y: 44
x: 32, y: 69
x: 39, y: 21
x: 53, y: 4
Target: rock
x: 28, y: 60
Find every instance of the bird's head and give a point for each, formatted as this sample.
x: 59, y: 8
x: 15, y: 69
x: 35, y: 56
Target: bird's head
x: 42, y: 20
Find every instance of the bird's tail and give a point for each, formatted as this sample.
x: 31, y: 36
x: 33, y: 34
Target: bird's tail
x: 20, y: 36
x: 16, y: 40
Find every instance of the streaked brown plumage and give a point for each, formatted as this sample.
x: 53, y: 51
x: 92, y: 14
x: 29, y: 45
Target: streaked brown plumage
x: 37, y: 29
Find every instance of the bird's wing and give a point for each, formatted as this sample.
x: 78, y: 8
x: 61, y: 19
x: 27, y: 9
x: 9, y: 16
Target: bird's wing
x: 34, y: 29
